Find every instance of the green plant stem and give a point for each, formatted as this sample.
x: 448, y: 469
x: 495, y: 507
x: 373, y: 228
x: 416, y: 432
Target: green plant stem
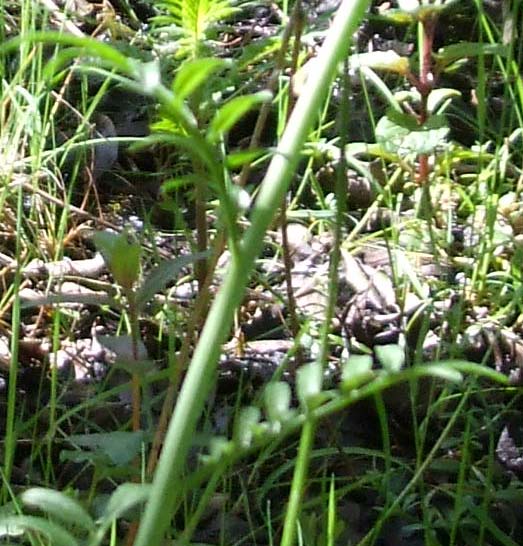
x: 135, y: 339
x: 298, y: 482
x: 297, y: 20
x: 10, y: 432
x: 158, y: 510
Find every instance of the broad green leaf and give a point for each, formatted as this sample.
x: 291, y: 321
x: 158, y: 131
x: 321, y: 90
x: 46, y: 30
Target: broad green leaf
x: 123, y: 346
x: 163, y: 274
x: 391, y: 357
x: 17, y: 525
x: 192, y: 74
x: 121, y: 255
x: 125, y: 497
x: 388, y: 61
x: 309, y: 379
x: 404, y: 120
x: 423, y: 139
x: 58, y: 505
x: 231, y: 112
x: 356, y: 371
x: 277, y: 398
x: 121, y: 447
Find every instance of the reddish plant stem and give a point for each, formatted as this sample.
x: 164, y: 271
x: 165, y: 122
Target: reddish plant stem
x: 425, y: 85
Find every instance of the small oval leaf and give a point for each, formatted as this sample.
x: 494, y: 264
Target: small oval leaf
x: 356, y: 371
x: 248, y: 418
x: 277, y: 397
x: 309, y: 379
x: 391, y: 357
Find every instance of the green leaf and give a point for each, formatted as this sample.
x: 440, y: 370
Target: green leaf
x: 219, y: 447
x: 391, y: 357
x: 179, y: 182
x: 59, y: 506
x: 445, y: 372
x: 403, y: 120
x: 194, y: 20
x: 119, y: 446
x: 277, y: 398
x: 388, y: 61
x: 403, y: 137
x: 244, y: 426
x: 231, y: 112
x: 121, y: 255
x: 163, y: 274
x: 125, y: 497
x: 454, y: 52
x: 192, y: 74
x: 439, y: 96
x: 309, y: 379
x: 199, y: 149
x: 241, y: 157
x: 356, y: 371
x: 89, y: 46
x: 17, y: 525
x: 123, y: 346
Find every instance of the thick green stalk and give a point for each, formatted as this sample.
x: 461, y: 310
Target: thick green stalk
x: 158, y: 511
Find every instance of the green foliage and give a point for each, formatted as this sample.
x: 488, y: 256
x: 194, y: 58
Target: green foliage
x: 67, y: 522
x: 121, y: 255
x: 193, y: 22
x: 400, y: 134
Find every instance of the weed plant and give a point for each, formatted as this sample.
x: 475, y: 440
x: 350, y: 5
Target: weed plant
x: 427, y: 472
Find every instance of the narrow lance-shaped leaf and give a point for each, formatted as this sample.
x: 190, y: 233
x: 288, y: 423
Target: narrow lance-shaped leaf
x: 192, y: 74
x: 231, y: 112
x: 448, y: 54
x: 162, y: 274
x: 92, y: 47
